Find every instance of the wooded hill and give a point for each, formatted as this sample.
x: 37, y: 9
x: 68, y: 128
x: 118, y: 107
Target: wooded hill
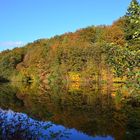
x: 96, y: 53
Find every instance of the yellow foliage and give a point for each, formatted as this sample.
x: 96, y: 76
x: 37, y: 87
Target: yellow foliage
x: 74, y: 86
x: 74, y: 76
x: 119, y: 79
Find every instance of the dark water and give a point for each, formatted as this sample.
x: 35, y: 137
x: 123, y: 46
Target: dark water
x: 72, y: 112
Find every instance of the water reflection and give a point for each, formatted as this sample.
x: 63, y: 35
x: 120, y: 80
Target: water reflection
x: 20, y: 126
x: 94, y: 110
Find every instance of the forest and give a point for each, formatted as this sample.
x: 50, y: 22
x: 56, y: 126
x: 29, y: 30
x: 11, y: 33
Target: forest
x: 99, y: 54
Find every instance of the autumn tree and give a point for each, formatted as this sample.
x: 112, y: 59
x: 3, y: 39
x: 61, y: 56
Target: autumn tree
x: 114, y: 34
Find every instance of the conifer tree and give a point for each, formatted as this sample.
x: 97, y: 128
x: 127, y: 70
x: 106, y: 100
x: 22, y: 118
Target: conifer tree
x: 132, y: 19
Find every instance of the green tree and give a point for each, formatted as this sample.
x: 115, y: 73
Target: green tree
x: 132, y: 21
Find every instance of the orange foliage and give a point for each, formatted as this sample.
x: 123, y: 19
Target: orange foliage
x: 113, y: 34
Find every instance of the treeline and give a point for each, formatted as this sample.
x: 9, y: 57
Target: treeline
x: 96, y: 53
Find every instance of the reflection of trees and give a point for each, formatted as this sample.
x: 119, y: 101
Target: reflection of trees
x: 8, y: 98
x: 90, y: 109
x: 93, y: 107
x: 19, y: 126
x: 133, y: 123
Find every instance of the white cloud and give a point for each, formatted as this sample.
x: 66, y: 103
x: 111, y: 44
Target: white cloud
x: 11, y: 43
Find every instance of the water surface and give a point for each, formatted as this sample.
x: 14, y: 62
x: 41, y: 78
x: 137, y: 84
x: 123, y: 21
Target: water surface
x: 74, y: 112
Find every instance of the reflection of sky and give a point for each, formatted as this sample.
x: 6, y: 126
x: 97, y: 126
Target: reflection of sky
x: 18, y: 122
x: 81, y: 136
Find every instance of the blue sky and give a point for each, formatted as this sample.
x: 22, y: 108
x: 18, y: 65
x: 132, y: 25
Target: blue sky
x: 23, y: 21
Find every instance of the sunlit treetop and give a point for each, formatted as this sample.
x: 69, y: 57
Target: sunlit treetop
x: 133, y: 20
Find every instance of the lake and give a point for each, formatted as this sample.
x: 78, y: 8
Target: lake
x: 71, y: 112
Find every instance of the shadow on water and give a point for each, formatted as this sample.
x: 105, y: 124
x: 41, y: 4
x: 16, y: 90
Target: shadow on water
x: 83, y: 112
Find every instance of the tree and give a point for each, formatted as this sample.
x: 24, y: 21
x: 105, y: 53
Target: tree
x: 132, y: 19
x: 114, y: 34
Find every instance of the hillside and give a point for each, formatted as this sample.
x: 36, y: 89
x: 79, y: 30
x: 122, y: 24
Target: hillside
x: 93, y: 54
